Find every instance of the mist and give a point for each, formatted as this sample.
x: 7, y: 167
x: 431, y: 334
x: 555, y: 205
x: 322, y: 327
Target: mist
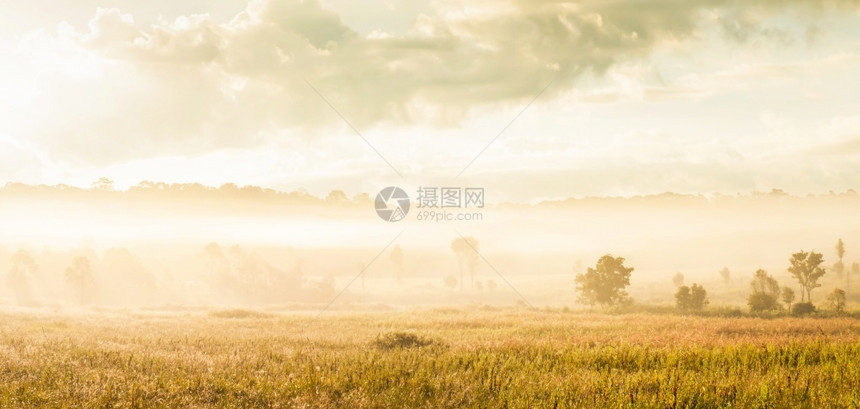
x: 181, y: 246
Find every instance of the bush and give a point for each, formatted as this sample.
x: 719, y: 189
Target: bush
x: 393, y: 340
x: 759, y: 302
x: 802, y: 308
x: 765, y: 292
x: 729, y: 312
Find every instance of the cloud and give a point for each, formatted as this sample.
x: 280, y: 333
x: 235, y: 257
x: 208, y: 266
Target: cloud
x: 847, y: 147
x: 193, y: 85
x: 840, y: 137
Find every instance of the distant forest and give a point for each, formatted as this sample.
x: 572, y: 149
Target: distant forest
x: 104, y: 189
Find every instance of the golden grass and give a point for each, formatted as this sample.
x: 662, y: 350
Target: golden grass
x: 505, y: 358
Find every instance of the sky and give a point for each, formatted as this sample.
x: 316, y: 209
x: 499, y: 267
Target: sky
x: 531, y: 99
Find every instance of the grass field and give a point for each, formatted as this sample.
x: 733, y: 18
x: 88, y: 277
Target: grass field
x: 429, y: 359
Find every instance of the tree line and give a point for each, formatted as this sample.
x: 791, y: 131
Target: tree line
x: 606, y: 284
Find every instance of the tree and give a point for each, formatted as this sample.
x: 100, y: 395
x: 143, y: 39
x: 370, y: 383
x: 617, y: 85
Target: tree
x: 726, y: 275
x: 693, y: 298
x: 787, y: 295
x: 79, y: 278
x: 838, y: 266
x: 836, y: 300
x: 765, y: 292
x: 678, y: 279
x: 466, y: 249
x: 336, y: 197
x: 698, y: 297
x: 103, y: 183
x: 682, y: 298
x: 23, y: 266
x: 605, y: 283
x: 806, y: 269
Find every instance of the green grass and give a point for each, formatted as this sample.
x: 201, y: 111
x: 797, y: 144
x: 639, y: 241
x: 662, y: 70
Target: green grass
x: 431, y: 359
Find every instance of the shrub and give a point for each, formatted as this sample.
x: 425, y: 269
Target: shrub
x: 765, y: 292
x: 759, y: 302
x: 802, y: 308
x: 394, y: 340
